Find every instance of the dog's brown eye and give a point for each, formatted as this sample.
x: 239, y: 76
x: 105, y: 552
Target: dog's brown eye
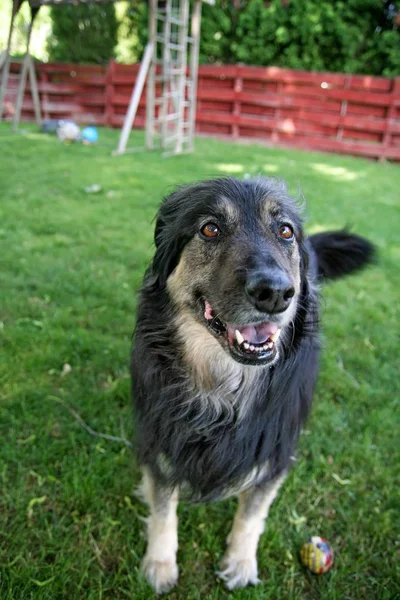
x: 210, y: 230
x: 285, y: 232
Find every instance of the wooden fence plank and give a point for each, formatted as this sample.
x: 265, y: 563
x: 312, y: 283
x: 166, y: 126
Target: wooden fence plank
x: 109, y: 92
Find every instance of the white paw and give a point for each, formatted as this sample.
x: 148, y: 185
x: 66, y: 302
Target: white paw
x: 238, y: 572
x: 162, y: 575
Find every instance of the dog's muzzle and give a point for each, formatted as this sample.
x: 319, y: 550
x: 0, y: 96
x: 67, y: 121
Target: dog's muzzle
x: 249, y: 344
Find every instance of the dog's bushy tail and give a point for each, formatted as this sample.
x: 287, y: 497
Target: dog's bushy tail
x: 340, y: 253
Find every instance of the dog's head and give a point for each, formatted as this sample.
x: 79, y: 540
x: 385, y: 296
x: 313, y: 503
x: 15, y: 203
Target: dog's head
x: 231, y: 252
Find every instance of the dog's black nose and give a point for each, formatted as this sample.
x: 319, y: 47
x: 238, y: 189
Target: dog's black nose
x: 270, y: 291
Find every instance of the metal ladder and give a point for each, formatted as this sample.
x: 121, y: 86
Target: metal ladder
x: 169, y: 66
x: 170, y: 89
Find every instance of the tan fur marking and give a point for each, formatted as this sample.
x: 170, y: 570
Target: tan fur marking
x: 209, y: 363
x: 229, y: 208
x: 159, y: 564
x: 177, y: 282
x: 250, y: 480
x: 239, y: 565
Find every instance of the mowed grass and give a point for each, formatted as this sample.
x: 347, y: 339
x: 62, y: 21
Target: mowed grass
x: 71, y: 263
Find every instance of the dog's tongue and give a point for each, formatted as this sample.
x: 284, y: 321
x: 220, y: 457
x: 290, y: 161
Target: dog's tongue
x: 257, y: 334
x: 254, y: 334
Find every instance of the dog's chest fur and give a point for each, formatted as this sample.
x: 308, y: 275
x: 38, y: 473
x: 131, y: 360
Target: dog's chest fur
x: 211, y: 371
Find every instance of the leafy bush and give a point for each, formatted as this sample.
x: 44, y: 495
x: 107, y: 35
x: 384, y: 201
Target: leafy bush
x: 84, y: 33
x: 353, y: 36
x: 137, y: 16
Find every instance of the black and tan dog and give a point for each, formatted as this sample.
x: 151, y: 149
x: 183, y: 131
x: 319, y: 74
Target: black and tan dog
x: 226, y: 357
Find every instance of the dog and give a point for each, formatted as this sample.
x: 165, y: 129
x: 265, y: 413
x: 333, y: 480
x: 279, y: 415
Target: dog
x: 225, y: 357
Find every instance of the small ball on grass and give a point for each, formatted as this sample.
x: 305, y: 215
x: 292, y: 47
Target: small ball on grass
x: 317, y: 555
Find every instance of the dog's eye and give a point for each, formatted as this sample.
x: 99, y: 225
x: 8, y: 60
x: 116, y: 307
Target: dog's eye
x: 285, y: 232
x: 210, y: 230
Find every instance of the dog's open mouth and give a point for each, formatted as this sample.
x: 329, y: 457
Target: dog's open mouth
x: 253, y: 343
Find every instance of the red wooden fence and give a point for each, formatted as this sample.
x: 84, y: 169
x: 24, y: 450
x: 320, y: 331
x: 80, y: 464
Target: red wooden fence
x: 352, y: 114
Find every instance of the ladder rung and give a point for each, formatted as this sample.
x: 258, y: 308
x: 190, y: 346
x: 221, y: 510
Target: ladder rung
x: 173, y: 46
x: 165, y: 76
x: 172, y: 138
x: 172, y: 117
x: 170, y: 95
x: 167, y: 118
x: 177, y: 71
x: 167, y: 96
x: 170, y: 45
x: 172, y: 20
x: 177, y: 22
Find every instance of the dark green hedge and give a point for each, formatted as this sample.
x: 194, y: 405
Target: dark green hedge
x: 83, y: 33
x: 351, y: 36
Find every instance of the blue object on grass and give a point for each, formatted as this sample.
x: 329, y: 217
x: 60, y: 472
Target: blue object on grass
x: 50, y: 125
x: 89, y: 135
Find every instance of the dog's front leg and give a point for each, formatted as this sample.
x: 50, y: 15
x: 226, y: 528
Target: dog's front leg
x: 239, y: 565
x: 159, y: 564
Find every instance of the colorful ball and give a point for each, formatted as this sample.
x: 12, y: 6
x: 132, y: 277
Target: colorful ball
x: 90, y: 135
x: 317, y: 555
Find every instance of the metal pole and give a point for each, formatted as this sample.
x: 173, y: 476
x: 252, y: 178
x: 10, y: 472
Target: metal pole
x: 194, y: 68
x: 182, y: 53
x: 135, y: 98
x: 166, y: 66
x: 32, y: 77
x: 150, y: 79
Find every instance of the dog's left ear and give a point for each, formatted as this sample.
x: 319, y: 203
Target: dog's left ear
x: 170, y: 235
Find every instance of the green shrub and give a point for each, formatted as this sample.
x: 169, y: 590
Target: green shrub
x: 83, y: 33
x: 353, y: 36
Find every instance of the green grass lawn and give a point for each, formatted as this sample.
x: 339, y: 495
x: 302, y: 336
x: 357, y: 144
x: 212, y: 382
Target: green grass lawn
x: 71, y: 261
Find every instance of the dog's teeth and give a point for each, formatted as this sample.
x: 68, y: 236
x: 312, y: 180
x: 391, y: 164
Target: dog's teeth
x: 265, y: 347
x: 251, y: 348
x: 270, y: 344
x: 246, y: 346
x: 239, y: 337
x: 275, y: 336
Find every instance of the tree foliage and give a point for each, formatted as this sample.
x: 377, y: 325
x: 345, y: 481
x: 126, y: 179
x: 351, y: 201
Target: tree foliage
x: 353, y: 36
x: 83, y: 33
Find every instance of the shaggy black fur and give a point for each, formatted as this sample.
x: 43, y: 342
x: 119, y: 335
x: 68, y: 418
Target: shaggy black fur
x: 207, y: 446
